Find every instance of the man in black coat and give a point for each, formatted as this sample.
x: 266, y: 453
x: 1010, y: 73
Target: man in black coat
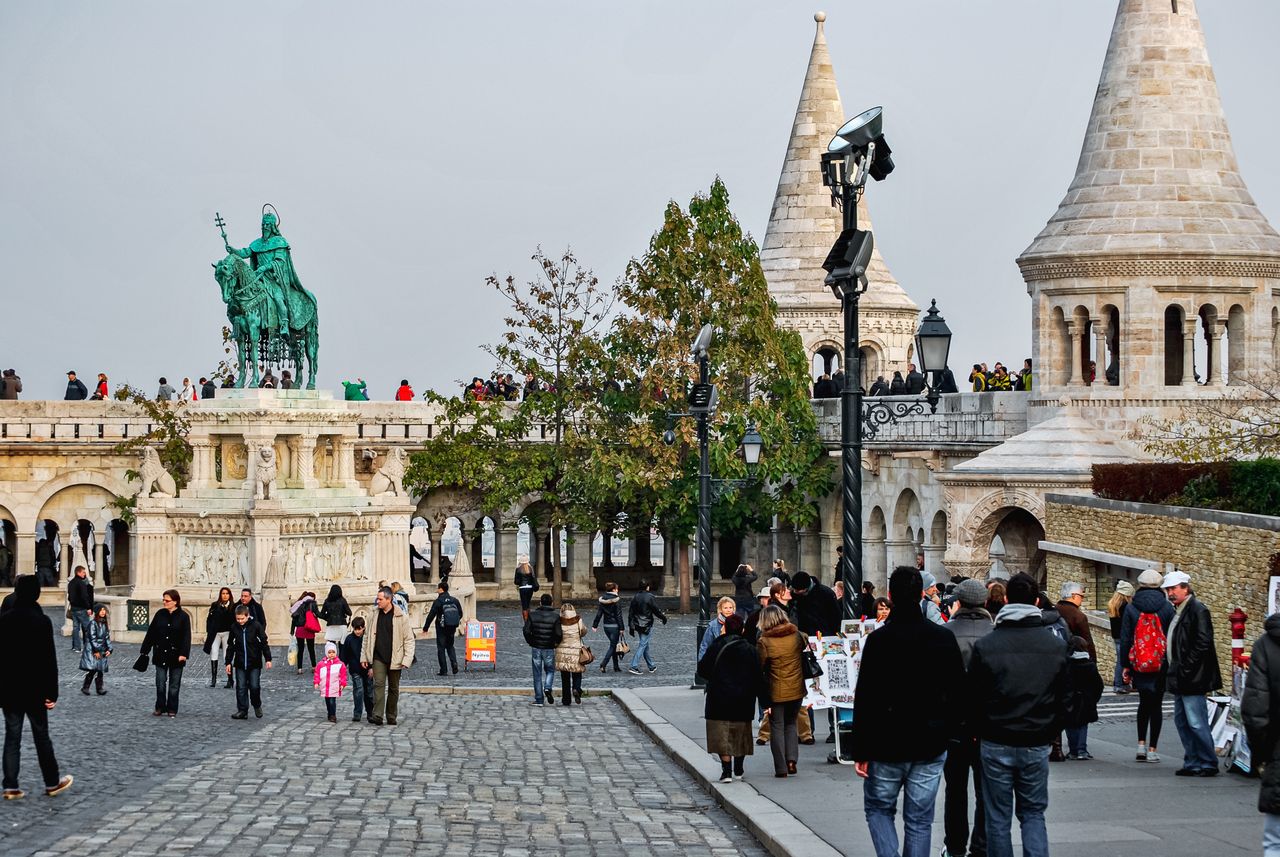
x: 1260, y: 710
x: 905, y: 717
x: 247, y: 650
x: 256, y: 613
x: 640, y: 615
x: 80, y: 605
x: 28, y: 686
x: 1193, y: 672
x: 969, y: 623
x: 542, y: 631
x: 915, y: 380
x: 1017, y: 689
x: 446, y: 615
x: 817, y: 610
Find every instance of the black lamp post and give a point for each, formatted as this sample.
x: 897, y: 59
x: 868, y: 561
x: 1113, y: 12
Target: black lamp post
x: 859, y: 150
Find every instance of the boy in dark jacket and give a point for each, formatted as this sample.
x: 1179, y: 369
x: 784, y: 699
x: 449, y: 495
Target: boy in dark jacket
x: 247, y: 649
x: 1084, y: 689
x: 446, y: 615
x: 361, y: 679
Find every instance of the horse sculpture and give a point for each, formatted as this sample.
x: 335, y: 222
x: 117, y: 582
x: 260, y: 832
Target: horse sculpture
x: 255, y: 307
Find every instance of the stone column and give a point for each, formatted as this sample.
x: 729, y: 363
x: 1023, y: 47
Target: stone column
x: 875, y: 564
x: 1189, y: 353
x: 305, y: 462
x: 1099, y: 351
x: 202, y: 466
x: 24, y: 554
x: 98, y: 574
x: 251, y: 463
x: 434, y: 572
x: 504, y: 562
x: 583, y: 579
x: 541, y: 568
x: 1216, y: 357
x: 1077, y: 361
x: 933, y: 555
x: 68, y: 557
x: 898, y: 552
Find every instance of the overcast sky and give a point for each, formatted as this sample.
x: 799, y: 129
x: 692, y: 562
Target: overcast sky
x: 414, y: 148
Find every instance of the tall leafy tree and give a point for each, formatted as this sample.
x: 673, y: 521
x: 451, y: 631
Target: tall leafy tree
x: 507, y: 451
x: 701, y: 268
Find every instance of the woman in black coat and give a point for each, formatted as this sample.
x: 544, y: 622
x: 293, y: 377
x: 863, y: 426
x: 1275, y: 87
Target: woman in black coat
x: 731, y: 669
x: 217, y: 630
x: 170, y: 638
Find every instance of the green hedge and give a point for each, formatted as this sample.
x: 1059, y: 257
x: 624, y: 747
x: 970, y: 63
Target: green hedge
x: 1237, y: 486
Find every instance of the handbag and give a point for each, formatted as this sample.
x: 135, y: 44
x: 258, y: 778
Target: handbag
x: 584, y: 655
x: 311, y: 623
x: 809, y: 665
x: 142, y: 663
x: 623, y: 646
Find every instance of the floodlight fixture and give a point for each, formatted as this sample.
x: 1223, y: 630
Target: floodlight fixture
x: 703, y: 399
x: 846, y: 264
x: 703, y: 343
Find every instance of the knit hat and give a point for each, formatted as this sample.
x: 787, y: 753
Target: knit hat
x: 330, y: 647
x: 971, y: 593
x: 1149, y: 579
x: 928, y: 581
x: 1125, y: 588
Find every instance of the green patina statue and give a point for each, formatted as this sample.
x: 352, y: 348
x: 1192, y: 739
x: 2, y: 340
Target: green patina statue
x: 273, y: 319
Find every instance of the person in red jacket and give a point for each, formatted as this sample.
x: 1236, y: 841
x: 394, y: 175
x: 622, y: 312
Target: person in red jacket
x: 405, y: 393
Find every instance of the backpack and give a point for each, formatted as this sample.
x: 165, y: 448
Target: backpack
x: 450, y: 614
x: 1059, y: 630
x: 1147, y: 654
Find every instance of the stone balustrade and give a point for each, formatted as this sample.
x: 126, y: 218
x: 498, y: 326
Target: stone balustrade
x: 963, y: 421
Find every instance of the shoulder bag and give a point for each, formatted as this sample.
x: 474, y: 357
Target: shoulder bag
x: 809, y: 665
x: 584, y: 655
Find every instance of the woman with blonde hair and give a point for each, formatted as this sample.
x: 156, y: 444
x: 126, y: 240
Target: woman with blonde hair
x: 780, y: 661
x: 1115, y: 612
x: 725, y: 608
x: 569, y: 654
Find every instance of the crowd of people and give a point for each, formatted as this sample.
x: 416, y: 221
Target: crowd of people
x: 914, y: 383
x: 999, y: 379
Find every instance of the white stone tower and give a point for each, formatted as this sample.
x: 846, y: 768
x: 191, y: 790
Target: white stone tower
x: 1157, y: 265
x: 803, y: 227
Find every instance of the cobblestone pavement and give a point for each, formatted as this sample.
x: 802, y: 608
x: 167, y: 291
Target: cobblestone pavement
x: 448, y: 779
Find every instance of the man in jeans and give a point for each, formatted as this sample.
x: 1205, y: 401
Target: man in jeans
x: 1017, y: 693
x: 542, y: 632
x: 446, y: 615
x: 80, y: 605
x: 1193, y: 672
x: 909, y: 708
x: 644, y: 607
x: 388, y: 649
x: 246, y: 650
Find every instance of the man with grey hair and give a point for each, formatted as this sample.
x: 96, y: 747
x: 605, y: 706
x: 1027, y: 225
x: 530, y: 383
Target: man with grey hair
x: 1070, y: 607
x: 388, y: 648
x: 1193, y: 672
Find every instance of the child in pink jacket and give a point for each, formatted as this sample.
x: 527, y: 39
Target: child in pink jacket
x: 331, y: 678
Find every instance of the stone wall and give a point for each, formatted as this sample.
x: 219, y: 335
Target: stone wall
x: 1091, y: 540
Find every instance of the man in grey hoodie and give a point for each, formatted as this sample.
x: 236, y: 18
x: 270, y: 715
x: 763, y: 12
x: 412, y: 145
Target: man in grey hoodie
x: 969, y: 623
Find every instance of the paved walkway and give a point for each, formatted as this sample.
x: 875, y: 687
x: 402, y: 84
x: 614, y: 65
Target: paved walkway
x: 1111, y: 806
x: 462, y: 774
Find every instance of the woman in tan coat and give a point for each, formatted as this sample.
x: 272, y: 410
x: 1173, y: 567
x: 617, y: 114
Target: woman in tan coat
x: 780, y: 646
x: 569, y: 654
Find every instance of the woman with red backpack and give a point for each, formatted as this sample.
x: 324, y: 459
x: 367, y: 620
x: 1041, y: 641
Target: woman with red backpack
x: 1142, y: 647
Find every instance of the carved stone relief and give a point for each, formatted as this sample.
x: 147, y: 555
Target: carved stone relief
x: 325, y: 559
x: 213, y: 562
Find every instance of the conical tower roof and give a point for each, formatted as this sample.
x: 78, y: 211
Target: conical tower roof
x: 1157, y: 177
x: 803, y: 224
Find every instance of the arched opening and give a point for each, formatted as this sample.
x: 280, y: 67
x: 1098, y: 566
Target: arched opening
x: 1237, y: 365
x: 1082, y: 328
x: 1206, y: 361
x: 48, y: 552
x: 116, y: 553
x: 1174, y: 359
x: 8, y: 551
x: 904, y: 538
x: 451, y: 537
x: 419, y: 550
x: 826, y: 361
x: 1110, y: 350
x: 484, y: 546
x: 935, y: 547
x: 875, y: 563
x: 84, y: 542
x: 1021, y: 534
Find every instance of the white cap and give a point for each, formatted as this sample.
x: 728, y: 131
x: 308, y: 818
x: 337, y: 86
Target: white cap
x: 1174, y: 578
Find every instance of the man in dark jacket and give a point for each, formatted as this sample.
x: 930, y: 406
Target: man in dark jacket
x: 1070, y: 609
x: 903, y: 724
x: 640, y: 615
x: 1260, y: 710
x: 247, y: 649
x: 970, y: 623
x: 446, y: 615
x: 80, y: 605
x: 915, y: 380
x: 817, y: 610
x: 1017, y: 692
x: 207, y: 389
x: 542, y: 632
x: 10, y: 385
x: 1193, y: 672
x: 256, y: 613
x: 28, y: 685
x: 76, y: 390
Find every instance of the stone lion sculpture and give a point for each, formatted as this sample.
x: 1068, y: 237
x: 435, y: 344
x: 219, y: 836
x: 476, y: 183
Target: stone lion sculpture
x: 389, y: 480
x: 264, y: 483
x: 154, y: 476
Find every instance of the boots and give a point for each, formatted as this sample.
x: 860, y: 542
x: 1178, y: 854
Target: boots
x: 213, y: 673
